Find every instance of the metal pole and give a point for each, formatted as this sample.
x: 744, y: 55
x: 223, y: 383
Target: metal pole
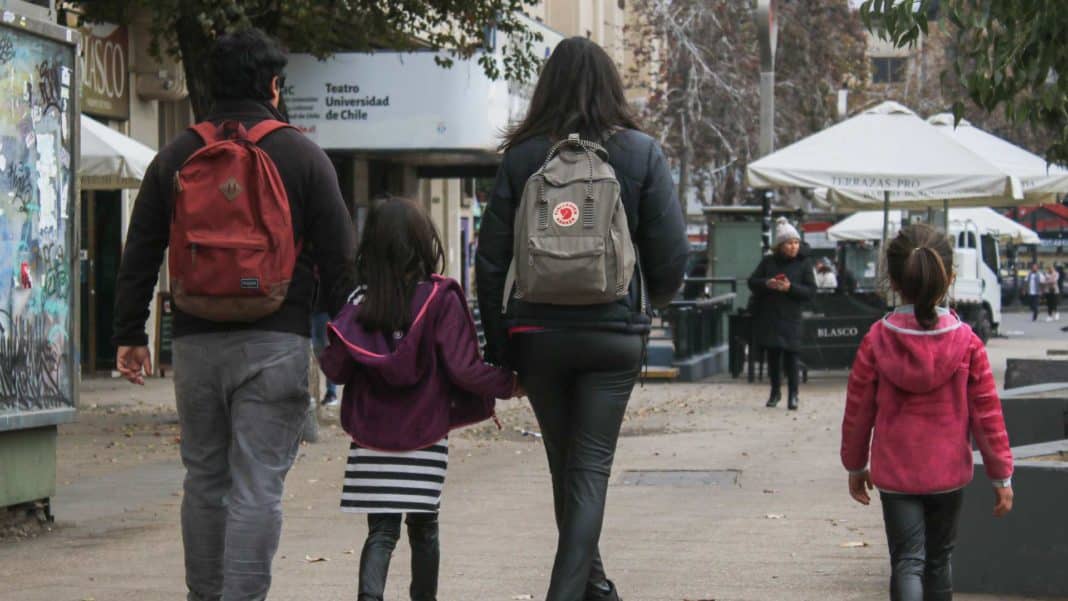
x: 886, y: 219
x: 886, y: 231
x: 945, y: 216
x: 764, y: 16
x: 767, y: 112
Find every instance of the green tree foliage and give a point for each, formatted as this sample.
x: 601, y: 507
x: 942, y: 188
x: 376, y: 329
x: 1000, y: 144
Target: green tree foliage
x: 1009, y: 55
x: 186, y: 29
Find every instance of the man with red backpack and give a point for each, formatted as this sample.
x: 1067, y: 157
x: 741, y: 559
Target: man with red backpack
x: 249, y: 208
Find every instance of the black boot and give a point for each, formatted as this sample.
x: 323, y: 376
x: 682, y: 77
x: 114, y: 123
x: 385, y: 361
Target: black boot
x: 773, y: 400
x: 604, y: 592
x: 791, y: 403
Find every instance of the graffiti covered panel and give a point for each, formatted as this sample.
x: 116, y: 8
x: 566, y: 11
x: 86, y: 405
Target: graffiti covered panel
x: 37, y: 373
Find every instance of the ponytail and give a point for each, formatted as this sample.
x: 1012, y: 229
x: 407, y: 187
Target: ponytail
x: 920, y: 264
x: 926, y: 283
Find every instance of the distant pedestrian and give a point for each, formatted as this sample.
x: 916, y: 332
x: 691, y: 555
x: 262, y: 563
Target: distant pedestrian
x: 233, y: 199
x: 922, y: 382
x: 406, y: 350
x: 606, y: 199
x: 1051, y: 288
x: 1033, y: 286
x: 826, y: 278
x: 781, y: 283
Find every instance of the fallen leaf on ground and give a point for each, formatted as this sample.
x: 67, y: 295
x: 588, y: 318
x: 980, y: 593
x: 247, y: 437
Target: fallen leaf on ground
x: 853, y: 544
x: 775, y: 516
x: 310, y: 559
x: 522, y: 597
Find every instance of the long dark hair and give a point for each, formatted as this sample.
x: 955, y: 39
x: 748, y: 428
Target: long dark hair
x: 579, y: 91
x: 919, y: 261
x: 400, y: 248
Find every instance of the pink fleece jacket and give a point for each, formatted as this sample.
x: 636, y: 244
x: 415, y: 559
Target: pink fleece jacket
x: 923, y: 392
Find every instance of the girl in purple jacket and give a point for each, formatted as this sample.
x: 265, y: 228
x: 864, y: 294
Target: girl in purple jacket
x: 406, y: 350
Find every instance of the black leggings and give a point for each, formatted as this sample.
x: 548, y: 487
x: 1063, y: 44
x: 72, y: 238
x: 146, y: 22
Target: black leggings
x: 921, y: 531
x: 777, y: 357
x: 383, y: 530
x: 1051, y: 303
x: 579, y: 384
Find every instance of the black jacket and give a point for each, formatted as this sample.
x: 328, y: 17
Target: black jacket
x: 656, y: 225
x: 320, y: 221
x: 777, y: 315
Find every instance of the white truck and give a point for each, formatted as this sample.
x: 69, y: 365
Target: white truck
x: 977, y: 235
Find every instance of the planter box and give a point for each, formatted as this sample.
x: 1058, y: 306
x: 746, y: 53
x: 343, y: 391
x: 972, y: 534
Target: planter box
x: 1028, y: 372
x: 1024, y: 553
x: 1034, y: 419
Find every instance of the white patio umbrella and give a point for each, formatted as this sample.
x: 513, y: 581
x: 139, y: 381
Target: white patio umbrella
x: 885, y: 156
x: 1041, y: 181
x: 867, y: 225
x: 109, y: 159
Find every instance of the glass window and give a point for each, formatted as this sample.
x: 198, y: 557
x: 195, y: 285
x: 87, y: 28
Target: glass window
x: 990, y: 253
x: 887, y: 69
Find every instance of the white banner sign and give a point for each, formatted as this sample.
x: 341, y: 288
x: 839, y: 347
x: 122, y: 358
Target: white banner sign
x: 395, y: 101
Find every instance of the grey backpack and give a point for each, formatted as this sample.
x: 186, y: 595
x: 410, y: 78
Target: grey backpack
x: 572, y: 241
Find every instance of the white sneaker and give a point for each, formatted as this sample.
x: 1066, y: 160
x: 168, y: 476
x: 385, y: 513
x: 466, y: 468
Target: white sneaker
x: 1048, y: 319
x: 1056, y: 316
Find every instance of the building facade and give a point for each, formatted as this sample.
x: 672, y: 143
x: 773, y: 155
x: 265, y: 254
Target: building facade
x: 428, y: 133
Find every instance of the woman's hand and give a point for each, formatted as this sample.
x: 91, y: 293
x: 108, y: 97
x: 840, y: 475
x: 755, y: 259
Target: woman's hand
x: 859, y: 485
x: 1003, y: 503
x: 773, y: 284
x: 784, y: 284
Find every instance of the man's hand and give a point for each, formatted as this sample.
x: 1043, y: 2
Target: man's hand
x: 134, y: 363
x: 859, y: 485
x: 1003, y: 504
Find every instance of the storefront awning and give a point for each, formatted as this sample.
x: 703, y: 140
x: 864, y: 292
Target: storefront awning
x: 110, y: 160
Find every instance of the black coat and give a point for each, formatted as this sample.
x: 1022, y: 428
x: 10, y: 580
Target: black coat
x: 777, y: 315
x: 320, y: 221
x: 656, y: 226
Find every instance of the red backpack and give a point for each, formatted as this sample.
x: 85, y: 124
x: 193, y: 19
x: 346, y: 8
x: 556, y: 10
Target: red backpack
x: 232, y: 251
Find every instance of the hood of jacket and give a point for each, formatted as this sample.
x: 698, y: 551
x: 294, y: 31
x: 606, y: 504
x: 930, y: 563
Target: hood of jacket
x: 919, y: 360
x: 394, y: 356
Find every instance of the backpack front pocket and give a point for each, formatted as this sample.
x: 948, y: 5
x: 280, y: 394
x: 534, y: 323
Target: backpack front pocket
x: 565, y: 270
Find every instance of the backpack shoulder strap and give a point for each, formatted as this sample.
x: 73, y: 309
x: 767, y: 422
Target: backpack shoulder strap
x: 207, y: 131
x: 262, y: 129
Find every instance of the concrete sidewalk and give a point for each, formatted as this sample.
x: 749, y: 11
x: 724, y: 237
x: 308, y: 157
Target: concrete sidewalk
x: 786, y: 530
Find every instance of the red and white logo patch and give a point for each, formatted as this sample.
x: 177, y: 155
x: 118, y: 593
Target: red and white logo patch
x: 566, y: 214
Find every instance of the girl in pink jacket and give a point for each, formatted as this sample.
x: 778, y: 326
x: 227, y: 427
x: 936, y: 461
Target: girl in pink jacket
x: 921, y: 380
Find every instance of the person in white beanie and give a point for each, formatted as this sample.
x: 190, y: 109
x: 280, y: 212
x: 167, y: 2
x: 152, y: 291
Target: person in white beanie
x: 781, y: 283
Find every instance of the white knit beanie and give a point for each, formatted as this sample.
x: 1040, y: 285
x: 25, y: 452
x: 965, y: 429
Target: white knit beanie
x: 784, y: 232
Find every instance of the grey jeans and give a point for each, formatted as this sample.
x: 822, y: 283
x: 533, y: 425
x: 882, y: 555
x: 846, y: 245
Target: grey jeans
x: 242, y: 397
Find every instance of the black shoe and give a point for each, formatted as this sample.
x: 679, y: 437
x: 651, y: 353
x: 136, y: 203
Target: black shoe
x: 791, y: 403
x: 596, y: 593
x: 330, y: 400
x: 773, y: 400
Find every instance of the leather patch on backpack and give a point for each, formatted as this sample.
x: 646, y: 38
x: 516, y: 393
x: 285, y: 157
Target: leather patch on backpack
x: 230, y: 189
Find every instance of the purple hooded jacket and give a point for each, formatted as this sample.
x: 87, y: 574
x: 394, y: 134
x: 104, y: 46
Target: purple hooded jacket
x: 407, y: 394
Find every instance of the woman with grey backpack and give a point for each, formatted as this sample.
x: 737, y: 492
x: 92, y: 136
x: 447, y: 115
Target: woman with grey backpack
x: 582, y: 235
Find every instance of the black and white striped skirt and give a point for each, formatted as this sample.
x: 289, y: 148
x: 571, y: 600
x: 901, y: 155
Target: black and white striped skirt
x: 395, y: 482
